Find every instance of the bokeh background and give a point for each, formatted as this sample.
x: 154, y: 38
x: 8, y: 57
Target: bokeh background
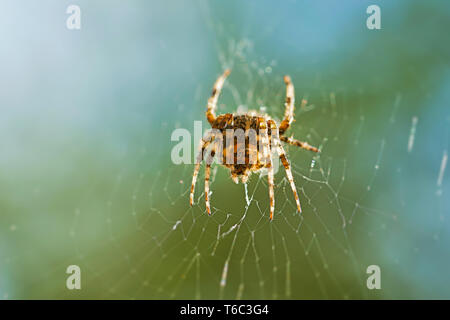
x: 86, y: 176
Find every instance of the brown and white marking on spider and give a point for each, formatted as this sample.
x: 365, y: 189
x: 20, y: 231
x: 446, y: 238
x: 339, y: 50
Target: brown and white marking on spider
x: 268, y: 138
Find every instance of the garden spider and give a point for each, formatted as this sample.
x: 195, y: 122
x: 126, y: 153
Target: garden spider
x: 268, y: 136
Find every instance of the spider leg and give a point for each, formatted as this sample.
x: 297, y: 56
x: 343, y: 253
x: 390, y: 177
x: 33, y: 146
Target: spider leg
x: 267, y: 155
x: 298, y: 143
x: 285, y: 161
x: 194, y: 180
x: 289, y: 111
x: 203, y: 145
x: 212, y: 101
x: 207, y: 175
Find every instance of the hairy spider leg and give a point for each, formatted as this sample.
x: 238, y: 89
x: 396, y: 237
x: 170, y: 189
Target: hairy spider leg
x: 267, y: 155
x: 207, y: 175
x: 286, y: 164
x: 298, y: 143
x: 289, y: 117
x: 289, y: 111
x: 212, y: 101
x: 204, y: 143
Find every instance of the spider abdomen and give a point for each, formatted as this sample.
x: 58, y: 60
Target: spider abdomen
x: 241, y: 138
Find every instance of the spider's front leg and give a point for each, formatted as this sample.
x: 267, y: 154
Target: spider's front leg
x: 289, y: 117
x: 212, y: 101
x: 290, y: 100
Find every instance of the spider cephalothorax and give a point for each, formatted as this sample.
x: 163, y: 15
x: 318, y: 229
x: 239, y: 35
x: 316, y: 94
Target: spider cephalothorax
x: 244, y: 143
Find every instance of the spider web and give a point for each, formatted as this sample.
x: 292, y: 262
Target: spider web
x: 134, y: 235
x: 239, y: 252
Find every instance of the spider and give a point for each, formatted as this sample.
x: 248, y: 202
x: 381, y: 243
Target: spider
x: 268, y: 136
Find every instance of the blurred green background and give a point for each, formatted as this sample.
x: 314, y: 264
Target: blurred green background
x: 86, y: 176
